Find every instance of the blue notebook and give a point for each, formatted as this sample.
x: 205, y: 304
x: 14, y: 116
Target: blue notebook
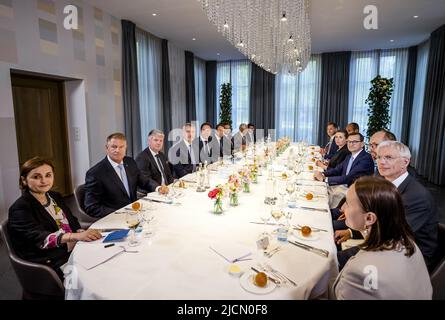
x: 115, y: 236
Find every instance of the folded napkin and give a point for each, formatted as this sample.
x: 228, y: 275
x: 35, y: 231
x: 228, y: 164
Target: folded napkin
x: 95, y: 255
x: 231, y: 252
x: 115, y: 236
x: 158, y: 198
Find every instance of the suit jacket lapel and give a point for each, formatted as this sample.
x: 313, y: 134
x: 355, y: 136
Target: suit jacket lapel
x: 115, y: 177
x: 402, y: 187
x: 42, y: 211
x: 152, y: 159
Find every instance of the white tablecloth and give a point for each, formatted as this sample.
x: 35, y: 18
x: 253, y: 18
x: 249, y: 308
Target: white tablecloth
x: 178, y: 264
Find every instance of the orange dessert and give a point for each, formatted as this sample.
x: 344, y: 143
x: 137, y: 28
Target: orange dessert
x: 136, y: 206
x: 311, y: 167
x: 313, y: 153
x: 284, y: 175
x: 182, y: 184
x: 163, y: 189
x: 313, y: 159
x: 260, y: 279
x: 306, y: 231
x: 309, y: 196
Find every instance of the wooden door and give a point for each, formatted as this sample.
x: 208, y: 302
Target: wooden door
x: 41, y: 125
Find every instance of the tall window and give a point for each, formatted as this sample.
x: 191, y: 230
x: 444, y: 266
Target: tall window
x: 238, y: 74
x: 298, y: 103
x: 200, y: 90
x: 364, y: 67
x: 149, y: 56
x: 419, y: 94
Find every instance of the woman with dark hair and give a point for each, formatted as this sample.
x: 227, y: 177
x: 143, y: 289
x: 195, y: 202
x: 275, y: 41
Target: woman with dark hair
x: 340, y: 155
x: 42, y: 228
x: 389, y: 264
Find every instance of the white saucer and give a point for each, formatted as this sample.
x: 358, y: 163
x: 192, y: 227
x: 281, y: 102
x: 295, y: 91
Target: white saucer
x: 312, y: 237
x: 246, y: 282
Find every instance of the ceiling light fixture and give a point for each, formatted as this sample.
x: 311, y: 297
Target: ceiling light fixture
x: 260, y: 33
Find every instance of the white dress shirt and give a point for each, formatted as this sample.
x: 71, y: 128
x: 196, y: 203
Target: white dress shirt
x: 115, y: 166
x: 400, y: 179
x: 154, y: 154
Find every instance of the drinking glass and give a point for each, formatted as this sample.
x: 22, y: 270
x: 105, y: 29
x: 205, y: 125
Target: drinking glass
x: 133, y: 220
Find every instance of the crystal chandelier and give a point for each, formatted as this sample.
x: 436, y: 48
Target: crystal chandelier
x: 274, y: 34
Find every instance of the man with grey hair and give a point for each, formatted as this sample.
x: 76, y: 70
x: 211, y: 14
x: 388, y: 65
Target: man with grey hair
x: 153, y: 163
x: 393, y: 159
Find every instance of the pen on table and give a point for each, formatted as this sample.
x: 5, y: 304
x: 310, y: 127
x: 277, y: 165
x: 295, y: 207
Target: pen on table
x: 109, y: 245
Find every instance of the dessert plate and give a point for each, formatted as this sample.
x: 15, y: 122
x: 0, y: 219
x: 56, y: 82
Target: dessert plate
x: 247, y: 283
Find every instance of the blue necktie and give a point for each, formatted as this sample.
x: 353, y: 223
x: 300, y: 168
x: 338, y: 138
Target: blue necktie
x: 351, y: 160
x: 124, y: 178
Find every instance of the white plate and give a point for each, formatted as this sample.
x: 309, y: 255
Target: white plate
x: 246, y: 282
x: 312, y: 237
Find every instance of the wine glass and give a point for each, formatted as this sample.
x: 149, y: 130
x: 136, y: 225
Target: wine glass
x: 290, y: 187
x: 282, y: 191
x: 276, y: 213
x: 133, y: 220
x: 265, y: 217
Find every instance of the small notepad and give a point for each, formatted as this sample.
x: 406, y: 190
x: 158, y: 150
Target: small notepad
x: 116, y: 236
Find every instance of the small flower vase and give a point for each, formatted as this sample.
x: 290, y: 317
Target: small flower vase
x: 246, y: 187
x: 255, y: 177
x: 218, y: 206
x: 234, y: 199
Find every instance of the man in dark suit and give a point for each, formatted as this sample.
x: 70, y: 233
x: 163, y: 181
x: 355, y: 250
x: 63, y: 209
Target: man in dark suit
x: 204, y: 142
x: 153, y: 163
x: 183, y: 155
x: 112, y: 183
x: 221, y: 145
x: 393, y: 159
x: 358, y: 164
x: 251, y: 135
x: 331, y: 147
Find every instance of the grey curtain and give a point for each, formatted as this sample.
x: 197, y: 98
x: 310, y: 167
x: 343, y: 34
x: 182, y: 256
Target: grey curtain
x: 190, y: 86
x: 432, y: 139
x: 262, y: 99
x: 130, y: 88
x: 211, y: 92
x: 409, y: 94
x: 166, y: 93
x: 334, y: 96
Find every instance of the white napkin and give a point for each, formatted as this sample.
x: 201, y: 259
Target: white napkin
x: 94, y: 255
x: 231, y: 252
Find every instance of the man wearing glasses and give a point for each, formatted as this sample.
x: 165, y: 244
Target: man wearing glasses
x: 358, y: 164
x: 376, y: 139
x: 393, y: 159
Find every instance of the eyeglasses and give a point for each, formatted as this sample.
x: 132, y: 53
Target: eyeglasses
x: 386, y: 158
x: 353, y: 142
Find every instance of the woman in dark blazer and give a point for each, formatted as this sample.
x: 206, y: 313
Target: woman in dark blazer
x: 340, y: 155
x: 42, y: 228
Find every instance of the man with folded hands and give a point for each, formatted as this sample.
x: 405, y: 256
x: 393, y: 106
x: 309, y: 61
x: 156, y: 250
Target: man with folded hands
x: 153, y: 163
x: 358, y: 164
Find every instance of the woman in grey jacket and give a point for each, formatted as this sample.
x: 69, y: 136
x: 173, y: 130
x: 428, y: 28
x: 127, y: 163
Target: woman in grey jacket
x: 389, y: 264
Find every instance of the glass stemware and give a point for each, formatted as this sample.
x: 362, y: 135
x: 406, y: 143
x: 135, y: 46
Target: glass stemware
x: 133, y: 220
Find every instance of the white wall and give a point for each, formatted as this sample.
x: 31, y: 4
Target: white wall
x: 32, y: 38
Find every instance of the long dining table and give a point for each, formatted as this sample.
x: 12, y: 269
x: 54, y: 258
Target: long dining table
x: 189, y: 252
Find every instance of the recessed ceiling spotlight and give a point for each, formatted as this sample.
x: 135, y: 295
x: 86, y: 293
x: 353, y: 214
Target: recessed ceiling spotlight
x: 154, y: 14
x: 415, y: 17
x: 194, y: 39
x: 391, y: 40
x: 218, y: 54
